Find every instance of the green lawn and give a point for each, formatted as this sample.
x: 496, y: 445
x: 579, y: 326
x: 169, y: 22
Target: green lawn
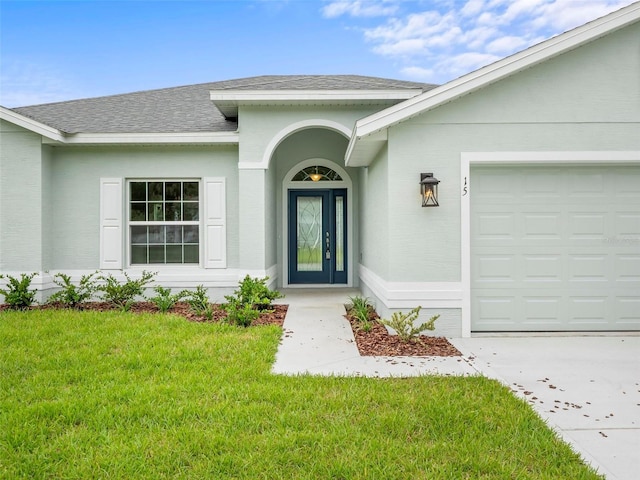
x: 116, y: 395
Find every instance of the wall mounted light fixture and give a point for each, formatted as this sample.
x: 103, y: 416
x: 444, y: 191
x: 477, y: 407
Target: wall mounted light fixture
x: 429, y: 190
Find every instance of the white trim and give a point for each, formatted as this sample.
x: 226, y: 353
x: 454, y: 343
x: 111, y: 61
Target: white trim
x: 228, y: 101
x: 188, y: 277
x: 199, y: 138
x: 295, y: 95
x: 32, y: 125
x: 214, y: 195
x: 288, y: 184
x: 411, y: 294
x: 111, y: 223
x: 467, y: 159
x: 485, y: 76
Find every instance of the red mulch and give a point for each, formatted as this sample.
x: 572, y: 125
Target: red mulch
x: 378, y: 342
x: 274, y: 317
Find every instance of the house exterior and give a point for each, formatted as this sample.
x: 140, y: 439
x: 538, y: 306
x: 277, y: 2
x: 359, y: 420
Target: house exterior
x: 314, y: 181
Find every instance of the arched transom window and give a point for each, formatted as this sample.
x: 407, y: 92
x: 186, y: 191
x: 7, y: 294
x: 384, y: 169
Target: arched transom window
x: 317, y: 173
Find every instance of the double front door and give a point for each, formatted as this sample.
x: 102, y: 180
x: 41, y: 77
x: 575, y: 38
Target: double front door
x: 318, y: 236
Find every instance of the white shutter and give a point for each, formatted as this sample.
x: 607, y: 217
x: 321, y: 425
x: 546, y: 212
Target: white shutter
x: 215, y: 223
x: 111, y: 237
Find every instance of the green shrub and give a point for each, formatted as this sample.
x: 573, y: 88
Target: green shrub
x: 73, y: 295
x: 164, y: 300
x: 252, y: 295
x: 403, y: 324
x: 122, y: 295
x: 199, y: 303
x: 17, y: 294
x: 240, y: 314
x: 254, y: 291
x: 362, y: 310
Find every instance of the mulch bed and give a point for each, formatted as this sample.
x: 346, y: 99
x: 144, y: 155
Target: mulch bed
x: 378, y: 342
x: 274, y: 317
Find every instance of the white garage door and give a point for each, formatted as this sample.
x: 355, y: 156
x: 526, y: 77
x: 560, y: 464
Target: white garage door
x: 555, y: 249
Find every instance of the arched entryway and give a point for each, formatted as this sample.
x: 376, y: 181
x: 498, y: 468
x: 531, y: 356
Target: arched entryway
x: 318, y: 226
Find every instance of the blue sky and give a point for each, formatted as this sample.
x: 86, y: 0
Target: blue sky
x: 61, y: 50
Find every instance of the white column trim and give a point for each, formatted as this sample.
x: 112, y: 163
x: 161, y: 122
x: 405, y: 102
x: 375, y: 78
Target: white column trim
x: 410, y: 294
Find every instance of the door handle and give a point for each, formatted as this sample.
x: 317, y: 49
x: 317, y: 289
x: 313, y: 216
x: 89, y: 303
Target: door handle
x: 327, y: 252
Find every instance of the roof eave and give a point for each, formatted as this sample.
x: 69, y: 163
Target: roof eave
x: 368, y: 126
x: 52, y: 134
x: 173, y: 138
x: 228, y: 101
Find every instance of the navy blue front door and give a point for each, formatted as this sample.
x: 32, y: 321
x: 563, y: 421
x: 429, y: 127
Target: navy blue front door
x: 318, y: 236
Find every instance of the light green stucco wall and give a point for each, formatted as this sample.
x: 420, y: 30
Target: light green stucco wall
x: 75, y: 187
x: 375, y: 215
x: 587, y: 99
x: 21, y: 199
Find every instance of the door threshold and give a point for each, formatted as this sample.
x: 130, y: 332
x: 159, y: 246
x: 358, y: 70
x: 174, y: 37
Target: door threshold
x: 317, y: 285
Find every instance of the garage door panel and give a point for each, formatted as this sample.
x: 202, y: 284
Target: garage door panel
x: 563, y: 253
x: 496, y: 268
x: 588, y: 268
x: 627, y: 224
x: 543, y: 268
x: 591, y: 310
x: 627, y: 312
x: 586, y: 225
x: 496, y: 310
x: 542, y: 225
x: 495, y: 226
x: 627, y: 268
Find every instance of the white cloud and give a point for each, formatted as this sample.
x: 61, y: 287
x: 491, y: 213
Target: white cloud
x: 507, y: 45
x: 438, y: 40
x: 418, y: 73
x: 31, y: 83
x: 358, y: 8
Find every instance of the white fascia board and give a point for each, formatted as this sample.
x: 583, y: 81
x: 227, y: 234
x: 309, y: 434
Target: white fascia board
x: 492, y: 73
x: 197, y: 138
x: 32, y: 125
x: 249, y: 96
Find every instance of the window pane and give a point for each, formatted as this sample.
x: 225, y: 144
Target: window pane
x: 156, y: 212
x: 191, y: 234
x: 155, y: 190
x: 191, y: 254
x: 190, y: 212
x: 172, y: 191
x: 138, y: 234
x: 190, y: 191
x: 174, y: 253
x: 156, y: 234
x: 138, y: 254
x: 138, y: 191
x: 310, y: 239
x: 339, y: 234
x: 138, y: 212
x: 172, y: 212
x: 174, y: 234
x: 156, y: 254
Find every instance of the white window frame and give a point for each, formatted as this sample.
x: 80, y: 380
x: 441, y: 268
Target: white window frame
x: 129, y: 223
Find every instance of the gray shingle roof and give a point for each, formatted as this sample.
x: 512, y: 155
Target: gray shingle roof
x: 187, y: 108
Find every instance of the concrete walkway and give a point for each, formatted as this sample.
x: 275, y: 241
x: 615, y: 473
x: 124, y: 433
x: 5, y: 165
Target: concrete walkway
x: 587, y: 388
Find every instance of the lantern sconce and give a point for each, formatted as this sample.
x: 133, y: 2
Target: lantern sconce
x: 429, y: 190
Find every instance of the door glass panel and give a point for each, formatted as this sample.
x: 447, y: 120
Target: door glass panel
x: 309, y: 214
x: 339, y: 253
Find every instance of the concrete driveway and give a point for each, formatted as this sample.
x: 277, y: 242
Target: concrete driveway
x: 586, y: 388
